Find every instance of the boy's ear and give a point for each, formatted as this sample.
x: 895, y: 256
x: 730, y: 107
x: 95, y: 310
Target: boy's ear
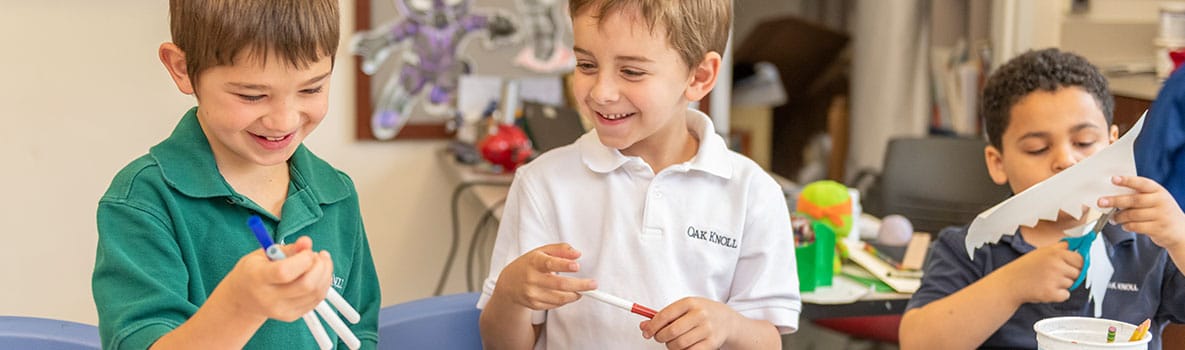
x: 174, y: 60
x: 1114, y: 133
x: 703, y: 77
x: 995, y: 165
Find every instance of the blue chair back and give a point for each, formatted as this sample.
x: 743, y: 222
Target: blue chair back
x: 443, y: 322
x: 18, y: 332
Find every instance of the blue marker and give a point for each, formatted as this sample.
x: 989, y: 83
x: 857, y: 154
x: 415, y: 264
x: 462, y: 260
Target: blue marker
x: 274, y: 253
x: 270, y: 248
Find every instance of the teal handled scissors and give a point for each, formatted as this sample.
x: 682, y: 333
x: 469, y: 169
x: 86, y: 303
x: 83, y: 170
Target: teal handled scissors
x: 1081, y: 245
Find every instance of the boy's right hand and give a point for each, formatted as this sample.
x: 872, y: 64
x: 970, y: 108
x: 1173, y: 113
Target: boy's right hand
x: 282, y: 290
x: 1043, y: 275
x: 531, y: 280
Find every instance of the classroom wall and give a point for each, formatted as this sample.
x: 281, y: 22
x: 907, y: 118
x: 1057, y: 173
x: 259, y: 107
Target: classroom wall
x: 889, y: 93
x: 82, y: 93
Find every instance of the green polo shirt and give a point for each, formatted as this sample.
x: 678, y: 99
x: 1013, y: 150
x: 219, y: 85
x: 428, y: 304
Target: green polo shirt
x: 170, y: 228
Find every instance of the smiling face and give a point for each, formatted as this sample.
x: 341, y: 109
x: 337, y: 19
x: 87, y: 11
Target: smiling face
x: 256, y: 113
x: 633, y: 85
x: 1047, y: 133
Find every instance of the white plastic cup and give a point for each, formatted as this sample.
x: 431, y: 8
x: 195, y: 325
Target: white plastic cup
x: 1085, y: 333
x: 1172, y: 20
x: 854, y: 235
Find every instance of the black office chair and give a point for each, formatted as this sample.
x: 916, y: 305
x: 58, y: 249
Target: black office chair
x: 935, y: 182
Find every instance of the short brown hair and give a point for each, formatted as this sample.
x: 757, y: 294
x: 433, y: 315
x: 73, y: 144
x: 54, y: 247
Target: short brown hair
x: 694, y: 27
x: 1041, y: 70
x: 213, y: 32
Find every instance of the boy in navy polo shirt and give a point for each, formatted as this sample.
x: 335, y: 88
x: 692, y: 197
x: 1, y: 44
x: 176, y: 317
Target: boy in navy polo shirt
x: 177, y: 267
x: 1045, y: 111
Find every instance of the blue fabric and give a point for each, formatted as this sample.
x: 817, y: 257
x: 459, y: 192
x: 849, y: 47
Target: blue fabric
x: 1146, y: 284
x: 1160, y: 149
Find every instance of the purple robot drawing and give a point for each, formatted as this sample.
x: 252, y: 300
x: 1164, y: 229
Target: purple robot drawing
x: 431, y: 33
x: 544, y: 51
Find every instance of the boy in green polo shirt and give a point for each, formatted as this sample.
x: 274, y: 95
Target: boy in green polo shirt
x: 177, y: 266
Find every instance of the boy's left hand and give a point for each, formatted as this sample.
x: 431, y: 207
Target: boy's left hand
x: 1151, y: 211
x: 692, y: 323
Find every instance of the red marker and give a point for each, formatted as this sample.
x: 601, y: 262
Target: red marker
x: 620, y: 303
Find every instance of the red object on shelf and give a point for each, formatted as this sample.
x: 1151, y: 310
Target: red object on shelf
x: 1178, y: 57
x: 508, y: 147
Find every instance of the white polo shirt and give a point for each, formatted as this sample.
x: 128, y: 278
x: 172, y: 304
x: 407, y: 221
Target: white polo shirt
x: 715, y: 227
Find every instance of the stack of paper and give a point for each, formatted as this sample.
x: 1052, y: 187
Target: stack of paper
x: 882, y: 270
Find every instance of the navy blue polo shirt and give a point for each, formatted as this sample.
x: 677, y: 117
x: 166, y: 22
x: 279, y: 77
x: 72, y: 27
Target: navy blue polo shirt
x: 1146, y: 283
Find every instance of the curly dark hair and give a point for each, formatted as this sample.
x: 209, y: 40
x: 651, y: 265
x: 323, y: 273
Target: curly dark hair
x: 1047, y: 70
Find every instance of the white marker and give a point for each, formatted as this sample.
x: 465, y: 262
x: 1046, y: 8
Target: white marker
x: 620, y: 303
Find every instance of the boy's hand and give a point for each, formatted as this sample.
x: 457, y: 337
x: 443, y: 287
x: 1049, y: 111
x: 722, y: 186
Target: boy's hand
x: 532, y: 281
x: 692, y: 323
x: 284, y: 289
x: 1043, y: 275
x: 1150, y: 211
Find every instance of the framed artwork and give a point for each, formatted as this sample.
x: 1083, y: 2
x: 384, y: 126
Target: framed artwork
x: 411, y: 55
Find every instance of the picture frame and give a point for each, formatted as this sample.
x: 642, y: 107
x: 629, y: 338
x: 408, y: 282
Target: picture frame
x: 364, y: 102
x: 492, y: 45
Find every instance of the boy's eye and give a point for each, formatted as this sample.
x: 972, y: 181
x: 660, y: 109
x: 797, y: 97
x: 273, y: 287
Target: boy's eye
x: 632, y: 73
x: 1036, y: 151
x: 1084, y: 144
x: 251, y: 98
x: 586, y: 67
x: 312, y: 91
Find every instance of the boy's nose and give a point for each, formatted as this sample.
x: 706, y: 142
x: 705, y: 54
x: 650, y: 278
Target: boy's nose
x: 284, y: 116
x: 604, y: 90
x: 1063, y: 159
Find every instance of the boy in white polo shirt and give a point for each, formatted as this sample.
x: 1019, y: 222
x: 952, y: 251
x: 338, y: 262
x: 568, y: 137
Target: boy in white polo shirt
x: 663, y: 214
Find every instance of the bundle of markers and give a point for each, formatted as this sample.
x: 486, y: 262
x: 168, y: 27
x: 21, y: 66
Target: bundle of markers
x: 274, y: 252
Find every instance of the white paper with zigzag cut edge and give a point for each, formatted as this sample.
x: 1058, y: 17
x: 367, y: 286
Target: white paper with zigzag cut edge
x: 1069, y: 191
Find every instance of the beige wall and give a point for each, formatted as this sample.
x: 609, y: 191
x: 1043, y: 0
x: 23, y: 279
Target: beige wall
x: 82, y: 94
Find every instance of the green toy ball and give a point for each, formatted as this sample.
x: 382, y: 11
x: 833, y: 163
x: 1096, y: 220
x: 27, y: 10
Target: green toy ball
x: 828, y: 202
